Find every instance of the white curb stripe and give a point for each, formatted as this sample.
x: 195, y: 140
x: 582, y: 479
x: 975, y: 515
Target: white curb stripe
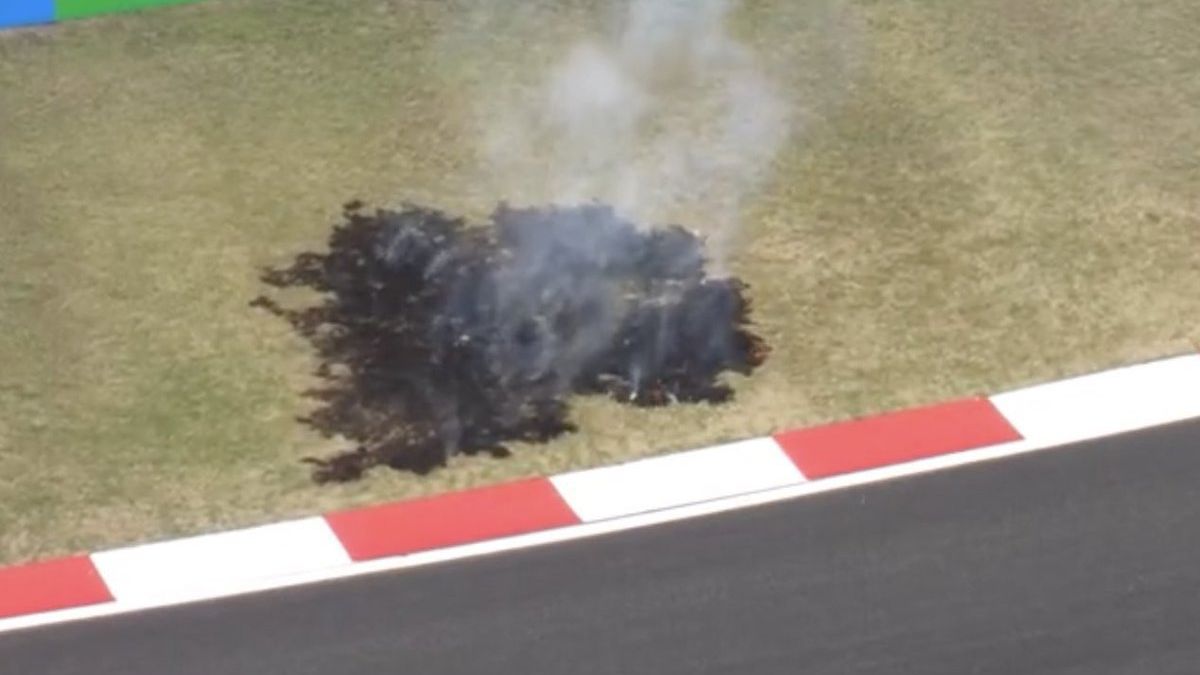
x: 198, y: 567
x: 1106, y: 403
x: 674, y: 480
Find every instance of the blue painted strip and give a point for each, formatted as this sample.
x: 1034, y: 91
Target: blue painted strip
x: 25, y: 12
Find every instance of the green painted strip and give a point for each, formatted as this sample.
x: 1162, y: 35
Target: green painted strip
x: 74, y: 9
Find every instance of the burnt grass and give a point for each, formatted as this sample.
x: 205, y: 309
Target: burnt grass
x: 436, y: 337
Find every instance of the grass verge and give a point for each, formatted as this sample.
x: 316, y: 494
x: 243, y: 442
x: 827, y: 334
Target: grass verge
x: 985, y: 193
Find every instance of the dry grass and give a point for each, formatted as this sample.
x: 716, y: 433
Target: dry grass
x: 987, y: 193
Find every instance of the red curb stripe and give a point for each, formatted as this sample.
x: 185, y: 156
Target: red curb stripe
x: 452, y: 519
x: 49, y: 585
x: 897, y: 437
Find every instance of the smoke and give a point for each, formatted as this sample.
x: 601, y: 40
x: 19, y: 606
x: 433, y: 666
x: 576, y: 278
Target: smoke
x: 665, y: 112
x: 438, y: 338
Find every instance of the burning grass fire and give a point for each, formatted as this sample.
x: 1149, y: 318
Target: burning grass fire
x: 436, y: 337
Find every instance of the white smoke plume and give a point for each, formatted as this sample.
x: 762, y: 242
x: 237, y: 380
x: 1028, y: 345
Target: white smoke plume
x: 666, y: 112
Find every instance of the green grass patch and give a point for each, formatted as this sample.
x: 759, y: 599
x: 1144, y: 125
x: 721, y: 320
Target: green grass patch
x: 984, y: 194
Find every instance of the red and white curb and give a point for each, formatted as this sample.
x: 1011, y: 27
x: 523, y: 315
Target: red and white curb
x: 597, y: 501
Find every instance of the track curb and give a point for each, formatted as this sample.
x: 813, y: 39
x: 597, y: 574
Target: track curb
x: 543, y: 510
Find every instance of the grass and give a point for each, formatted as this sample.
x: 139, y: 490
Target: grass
x: 986, y: 193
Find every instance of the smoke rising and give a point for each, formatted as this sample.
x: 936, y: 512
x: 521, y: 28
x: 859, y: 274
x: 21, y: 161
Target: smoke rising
x: 663, y: 113
x: 438, y: 337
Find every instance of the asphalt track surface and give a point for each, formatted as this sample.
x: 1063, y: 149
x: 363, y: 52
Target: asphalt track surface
x: 1081, y: 560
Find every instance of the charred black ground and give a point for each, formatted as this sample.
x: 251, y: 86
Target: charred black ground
x: 436, y: 337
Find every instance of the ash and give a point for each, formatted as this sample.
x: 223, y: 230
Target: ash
x: 435, y: 337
